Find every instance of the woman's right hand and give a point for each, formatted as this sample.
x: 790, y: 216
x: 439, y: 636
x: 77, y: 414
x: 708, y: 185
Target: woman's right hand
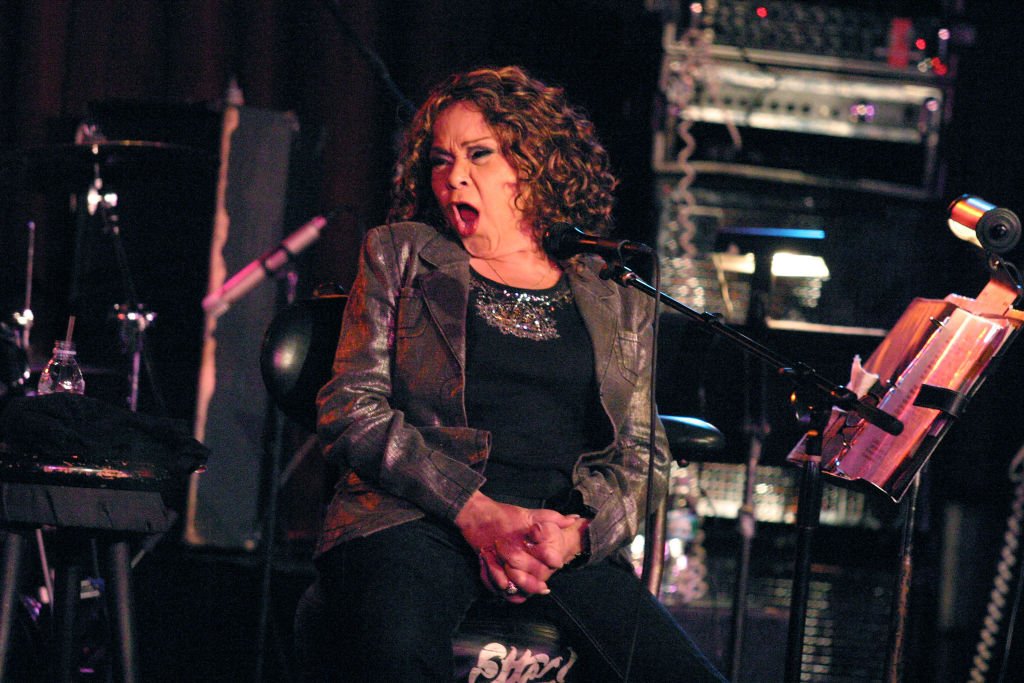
x: 505, y: 537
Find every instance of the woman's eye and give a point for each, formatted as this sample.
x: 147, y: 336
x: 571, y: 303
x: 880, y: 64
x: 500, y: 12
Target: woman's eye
x: 480, y: 154
x: 437, y: 161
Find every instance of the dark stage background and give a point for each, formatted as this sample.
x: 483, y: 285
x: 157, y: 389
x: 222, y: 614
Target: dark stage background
x: 160, y: 71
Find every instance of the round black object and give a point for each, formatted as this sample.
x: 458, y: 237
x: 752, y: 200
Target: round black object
x: 297, y: 353
x: 998, y: 230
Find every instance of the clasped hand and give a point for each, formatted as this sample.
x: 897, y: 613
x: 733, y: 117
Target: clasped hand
x: 519, y: 548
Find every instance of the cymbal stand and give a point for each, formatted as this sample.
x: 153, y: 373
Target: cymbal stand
x: 26, y: 317
x: 133, y: 317
x: 133, y: 323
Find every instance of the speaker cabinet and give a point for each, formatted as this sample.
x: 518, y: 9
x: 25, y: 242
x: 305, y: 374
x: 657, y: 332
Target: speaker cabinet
x: 232, y: 407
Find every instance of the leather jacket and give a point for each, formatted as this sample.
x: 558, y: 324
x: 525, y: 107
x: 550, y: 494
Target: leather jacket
x: 393, y: 417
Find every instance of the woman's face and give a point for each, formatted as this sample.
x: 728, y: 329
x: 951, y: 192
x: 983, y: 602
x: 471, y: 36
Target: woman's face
x: 474, y: 184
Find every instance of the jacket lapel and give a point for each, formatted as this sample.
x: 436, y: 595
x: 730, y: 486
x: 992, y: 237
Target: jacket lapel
x: 445, y: 288
x: 595, y: 299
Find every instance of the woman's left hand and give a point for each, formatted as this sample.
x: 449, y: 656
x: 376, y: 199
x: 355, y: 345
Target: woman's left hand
x: 548, y: 545
x: 504, y: 537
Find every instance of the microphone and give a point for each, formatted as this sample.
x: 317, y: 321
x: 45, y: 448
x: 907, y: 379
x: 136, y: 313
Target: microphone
x: 562, y: 240
x: 245, y: 280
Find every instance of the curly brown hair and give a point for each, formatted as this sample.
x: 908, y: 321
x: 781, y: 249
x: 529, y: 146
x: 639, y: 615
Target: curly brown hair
x: 563, y: 170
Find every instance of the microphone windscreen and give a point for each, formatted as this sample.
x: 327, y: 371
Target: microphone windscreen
x: 560, y: 240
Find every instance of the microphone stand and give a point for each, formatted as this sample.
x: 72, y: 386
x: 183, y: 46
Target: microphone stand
x: 814, y: 397
x: 756, y: 430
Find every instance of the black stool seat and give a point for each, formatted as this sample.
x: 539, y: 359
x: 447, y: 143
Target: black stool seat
x: 690, y: 438
x: 493, y: 640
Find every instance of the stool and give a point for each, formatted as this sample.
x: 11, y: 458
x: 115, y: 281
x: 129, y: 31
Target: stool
x: 689, y: 438
x: 84, y: 503
x: 490, y: 641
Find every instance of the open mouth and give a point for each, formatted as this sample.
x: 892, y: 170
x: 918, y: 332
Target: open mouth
x: 466, y: 218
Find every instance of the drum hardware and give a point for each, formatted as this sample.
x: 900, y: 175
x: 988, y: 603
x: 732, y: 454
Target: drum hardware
x: 72, y: 166
x: 14, y: 367
x: 92, y: 169
x: 14, y: 343
x: 90, y: 172
x: 25, y: 318
x: 133, y: 318
x: 133, y: 321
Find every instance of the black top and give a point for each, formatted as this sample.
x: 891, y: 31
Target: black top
x: 530, y: 382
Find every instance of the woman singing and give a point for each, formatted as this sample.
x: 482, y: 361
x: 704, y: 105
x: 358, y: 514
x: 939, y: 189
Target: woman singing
x: 490, y: 406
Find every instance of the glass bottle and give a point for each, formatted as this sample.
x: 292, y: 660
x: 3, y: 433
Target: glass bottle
x: 62, y: 373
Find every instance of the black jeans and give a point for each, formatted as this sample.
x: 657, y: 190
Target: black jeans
x: 396, y: 598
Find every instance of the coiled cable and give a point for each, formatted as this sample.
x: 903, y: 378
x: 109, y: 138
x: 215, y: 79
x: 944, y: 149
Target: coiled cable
x: 1002, y: 582
x: 694, y: 66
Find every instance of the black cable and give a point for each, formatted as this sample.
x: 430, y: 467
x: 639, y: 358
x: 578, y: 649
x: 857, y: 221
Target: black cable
x: 405, y: 107
x: 649, y: 502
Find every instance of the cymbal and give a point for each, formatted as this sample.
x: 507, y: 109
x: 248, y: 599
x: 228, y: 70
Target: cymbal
x: 77, y: 165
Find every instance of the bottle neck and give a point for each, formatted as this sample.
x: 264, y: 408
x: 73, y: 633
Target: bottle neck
x: 64, y: 349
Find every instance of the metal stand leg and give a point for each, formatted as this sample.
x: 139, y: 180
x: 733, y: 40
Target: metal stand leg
x: 757, y: 429
x: 747, y: 523
x: 69, y: 590
x: 269, y: 537
x: 14, y: 550
x: 901, y: 596
x: 808, y: 516
x: 120, y: 608
x: 654, y: 549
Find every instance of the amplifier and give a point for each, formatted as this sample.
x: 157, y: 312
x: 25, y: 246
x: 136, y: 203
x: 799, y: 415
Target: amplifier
x: 861, y: 35
x: 817, y: 102
x: 806, y: 93
x: 716, y: 489
x: 871, y: 246
x: 785, y: 118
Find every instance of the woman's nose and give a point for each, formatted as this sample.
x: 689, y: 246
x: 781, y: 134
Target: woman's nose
x: 459, y: 175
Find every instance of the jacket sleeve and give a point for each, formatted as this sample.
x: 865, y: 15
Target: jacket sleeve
x: 360, y: 428
x: 613, y: 482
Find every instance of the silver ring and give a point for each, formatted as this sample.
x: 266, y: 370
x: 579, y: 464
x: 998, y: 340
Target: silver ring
x: 511, y: 588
